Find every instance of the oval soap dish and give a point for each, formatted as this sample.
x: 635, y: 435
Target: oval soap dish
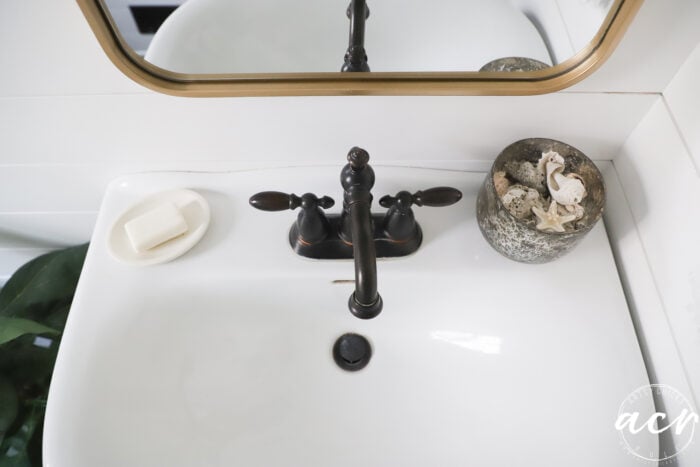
x: 193, y: 208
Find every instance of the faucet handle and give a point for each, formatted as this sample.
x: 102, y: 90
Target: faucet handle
x: 311, y: 226
x: 399, y: 223
x: 435, y: 197
x: 278, y: 201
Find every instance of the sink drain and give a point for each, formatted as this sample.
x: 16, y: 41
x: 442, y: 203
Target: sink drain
x: 352, y: 352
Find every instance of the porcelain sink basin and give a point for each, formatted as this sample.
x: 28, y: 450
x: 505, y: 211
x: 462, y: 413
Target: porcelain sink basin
x: 223, y: 356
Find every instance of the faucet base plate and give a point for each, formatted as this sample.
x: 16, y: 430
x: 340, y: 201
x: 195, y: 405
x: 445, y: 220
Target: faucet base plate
x: 334, y: 247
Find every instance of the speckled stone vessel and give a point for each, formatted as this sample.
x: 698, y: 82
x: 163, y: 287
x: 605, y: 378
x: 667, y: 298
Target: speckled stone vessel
x: 514, y: 64
x: 519, y: 240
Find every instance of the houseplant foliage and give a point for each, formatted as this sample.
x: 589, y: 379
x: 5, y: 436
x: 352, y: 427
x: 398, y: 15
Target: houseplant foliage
x: 34, y: 306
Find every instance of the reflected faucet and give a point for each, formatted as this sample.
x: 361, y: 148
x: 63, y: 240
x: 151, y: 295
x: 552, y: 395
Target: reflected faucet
x: 356, y: 232
x: 356, y: 56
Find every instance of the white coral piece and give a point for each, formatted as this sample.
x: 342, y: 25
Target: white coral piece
x: 526, y: 173
x: 519, y: 200
x: 501, y: 183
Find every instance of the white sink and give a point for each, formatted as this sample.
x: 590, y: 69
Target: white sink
x: 223, y: 356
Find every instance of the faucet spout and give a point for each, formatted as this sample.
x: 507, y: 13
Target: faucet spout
x: 365, y: 302
x: 357, y: 179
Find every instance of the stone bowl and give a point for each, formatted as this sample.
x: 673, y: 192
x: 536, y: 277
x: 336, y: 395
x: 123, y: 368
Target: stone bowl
x: 519, y: 239
x: 514, y: 64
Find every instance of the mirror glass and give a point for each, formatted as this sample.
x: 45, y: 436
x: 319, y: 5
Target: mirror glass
x: 285, y: 36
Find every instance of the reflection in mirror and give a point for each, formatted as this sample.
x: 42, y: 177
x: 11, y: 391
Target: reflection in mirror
x: 280, y: 36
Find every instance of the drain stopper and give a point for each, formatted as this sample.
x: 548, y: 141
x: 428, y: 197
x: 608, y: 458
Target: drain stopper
x: 352, y: 352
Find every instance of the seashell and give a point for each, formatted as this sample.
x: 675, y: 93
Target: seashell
x: 566, y: 189
x: 575, y: 209
x: 519, y: 200
x: 549, y: 162
x: 550, y: 156
x: 550, y: 220
x: 501, y: 183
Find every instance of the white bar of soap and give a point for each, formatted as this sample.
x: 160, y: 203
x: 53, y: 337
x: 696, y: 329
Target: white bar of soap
x: 155, y: 227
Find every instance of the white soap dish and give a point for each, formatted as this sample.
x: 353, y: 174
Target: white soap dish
x: 192, y: 206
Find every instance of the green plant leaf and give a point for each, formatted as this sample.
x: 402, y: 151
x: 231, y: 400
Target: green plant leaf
x: 57, y: 318
x: 36, y: 300
x: 12, y: 328
x: 29, y: 360
x: 8, y: 406
x: 42, y: 284
x: 13, y: 450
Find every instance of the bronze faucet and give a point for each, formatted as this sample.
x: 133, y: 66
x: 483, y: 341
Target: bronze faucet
x: 356, y: 232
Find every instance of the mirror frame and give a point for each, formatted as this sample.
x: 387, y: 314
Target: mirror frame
x: 544, y: 81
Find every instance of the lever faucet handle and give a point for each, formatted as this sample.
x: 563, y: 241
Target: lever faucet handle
x: 278, y: 201
x: 311, y: 226
x: 435, y: 197
x: 399, y: 223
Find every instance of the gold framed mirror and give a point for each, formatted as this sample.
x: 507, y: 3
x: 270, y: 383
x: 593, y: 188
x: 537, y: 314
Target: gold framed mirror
x: 412, y: 79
